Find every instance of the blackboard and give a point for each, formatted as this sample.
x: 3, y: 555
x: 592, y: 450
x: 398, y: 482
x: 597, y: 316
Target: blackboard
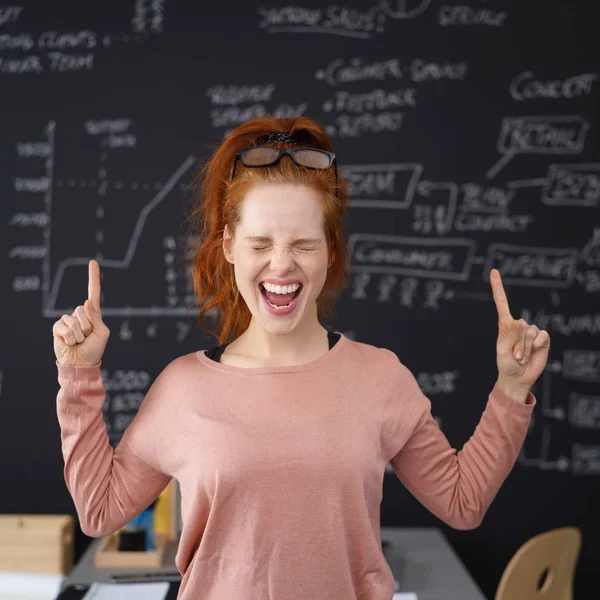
x: 468, y: 133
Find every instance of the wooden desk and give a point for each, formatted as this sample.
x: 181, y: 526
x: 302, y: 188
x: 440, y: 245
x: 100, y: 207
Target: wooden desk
x: 421, y: 559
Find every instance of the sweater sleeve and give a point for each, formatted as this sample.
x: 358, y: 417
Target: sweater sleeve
x: 109, y: 486
x: 456, y: 486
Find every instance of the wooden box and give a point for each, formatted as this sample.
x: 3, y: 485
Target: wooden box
x: 36, y: 543
x: 108, y: 555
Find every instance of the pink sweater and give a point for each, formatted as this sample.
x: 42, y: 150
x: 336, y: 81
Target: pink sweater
x: 281, y: 468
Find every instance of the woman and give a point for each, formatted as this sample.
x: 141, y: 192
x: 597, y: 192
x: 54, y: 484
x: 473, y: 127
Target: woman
x: 280, y: 438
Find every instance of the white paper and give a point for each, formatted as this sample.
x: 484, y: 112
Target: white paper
x: 28, y: 586
x: 404, y: 596
x: 156, y: 590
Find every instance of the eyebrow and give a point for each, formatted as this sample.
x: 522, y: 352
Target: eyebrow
x: 262, y: 238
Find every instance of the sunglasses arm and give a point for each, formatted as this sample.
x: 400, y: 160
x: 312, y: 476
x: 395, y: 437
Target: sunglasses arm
x: 336, y: 175
x: 233, y: 170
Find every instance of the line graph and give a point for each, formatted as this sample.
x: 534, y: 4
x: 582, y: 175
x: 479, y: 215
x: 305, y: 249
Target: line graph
x: 75, y: 266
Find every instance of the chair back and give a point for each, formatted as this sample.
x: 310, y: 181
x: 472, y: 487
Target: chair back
x: 543, y: 568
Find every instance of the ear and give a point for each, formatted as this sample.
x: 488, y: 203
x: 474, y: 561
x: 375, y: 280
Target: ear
x: 227, y: 243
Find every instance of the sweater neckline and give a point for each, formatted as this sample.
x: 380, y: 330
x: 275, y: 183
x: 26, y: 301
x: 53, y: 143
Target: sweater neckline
x: 272, y: 369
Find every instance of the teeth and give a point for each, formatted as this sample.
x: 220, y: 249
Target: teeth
x: 278, y: 307
x: 278, y: 289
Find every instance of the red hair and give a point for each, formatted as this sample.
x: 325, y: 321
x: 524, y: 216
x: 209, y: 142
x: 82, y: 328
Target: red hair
x: 217, y: 201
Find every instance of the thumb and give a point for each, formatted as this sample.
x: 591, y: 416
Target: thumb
x: 510, y: 334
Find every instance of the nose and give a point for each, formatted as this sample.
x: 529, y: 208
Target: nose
x: 282, y: 260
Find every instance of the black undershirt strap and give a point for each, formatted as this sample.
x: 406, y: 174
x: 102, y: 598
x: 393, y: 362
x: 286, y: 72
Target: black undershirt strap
x: 215, y: 352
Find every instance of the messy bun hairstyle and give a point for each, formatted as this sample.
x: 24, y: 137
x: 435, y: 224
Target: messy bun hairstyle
x: 217, y: 201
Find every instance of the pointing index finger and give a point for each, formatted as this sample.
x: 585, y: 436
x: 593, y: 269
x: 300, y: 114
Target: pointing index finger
x: 499, y: 295
x: 94, y: 283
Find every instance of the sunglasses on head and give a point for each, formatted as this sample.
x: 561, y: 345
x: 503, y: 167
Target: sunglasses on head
x: 263, y: 156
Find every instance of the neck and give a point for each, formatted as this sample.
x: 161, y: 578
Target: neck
x: 284, y: 348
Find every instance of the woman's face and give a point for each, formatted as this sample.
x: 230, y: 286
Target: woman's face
x: 281, y: 237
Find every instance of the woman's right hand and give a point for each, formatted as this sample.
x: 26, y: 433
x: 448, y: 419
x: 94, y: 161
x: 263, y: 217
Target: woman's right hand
x: 80, y: 338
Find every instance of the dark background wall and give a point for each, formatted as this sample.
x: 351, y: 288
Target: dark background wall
x: 466, y: 129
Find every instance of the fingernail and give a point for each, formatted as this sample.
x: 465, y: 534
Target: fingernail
x: 519, y: 355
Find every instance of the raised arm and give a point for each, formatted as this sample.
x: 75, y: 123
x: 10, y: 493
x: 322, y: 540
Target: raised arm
x: 109, y: 487
x: 458, y: 487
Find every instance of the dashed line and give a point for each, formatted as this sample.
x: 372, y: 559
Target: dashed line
x: 119, y: 185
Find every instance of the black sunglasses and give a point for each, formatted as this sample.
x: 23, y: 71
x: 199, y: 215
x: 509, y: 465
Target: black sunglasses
x: 263, y: 156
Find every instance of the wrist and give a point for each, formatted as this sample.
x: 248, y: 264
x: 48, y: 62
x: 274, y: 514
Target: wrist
x: 515, y: 392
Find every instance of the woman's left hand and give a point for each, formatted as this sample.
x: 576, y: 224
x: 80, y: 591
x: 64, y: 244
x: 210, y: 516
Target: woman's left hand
x: 517, y: 371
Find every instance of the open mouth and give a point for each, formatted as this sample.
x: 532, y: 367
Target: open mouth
x: 263, y: 291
